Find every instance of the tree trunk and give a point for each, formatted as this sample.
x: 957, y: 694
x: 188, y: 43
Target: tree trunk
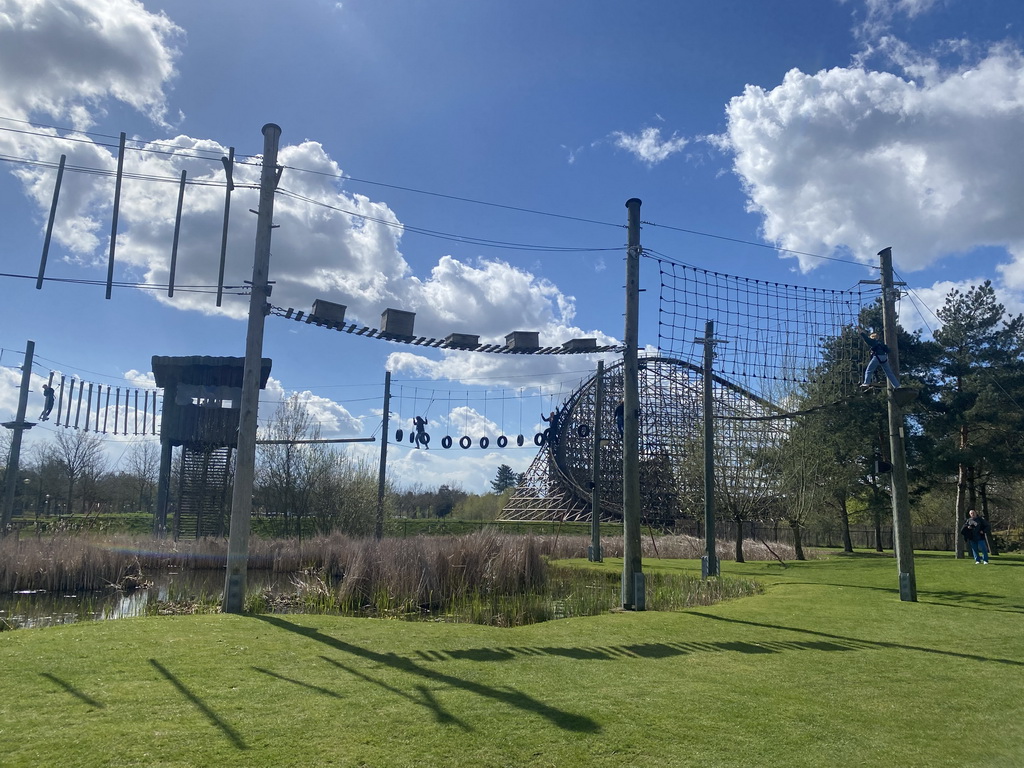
x: 972, y: 487
x: 991, y: 539
x: 878, y: 525
x: 960, y: 511
x: 844, y: 521
x: 798, y: 543
x: 739, y: 540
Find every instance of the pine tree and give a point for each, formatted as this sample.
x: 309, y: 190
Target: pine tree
x: 506, y: 478
x: 977, y: 429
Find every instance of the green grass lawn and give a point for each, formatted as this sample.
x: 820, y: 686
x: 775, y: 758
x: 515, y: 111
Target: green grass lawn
x: 828, y: 668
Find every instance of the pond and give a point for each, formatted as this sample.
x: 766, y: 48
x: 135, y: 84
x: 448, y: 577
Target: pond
x: 39, y: 608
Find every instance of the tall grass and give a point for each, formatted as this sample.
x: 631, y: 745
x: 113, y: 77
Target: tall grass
x: 428, y: 565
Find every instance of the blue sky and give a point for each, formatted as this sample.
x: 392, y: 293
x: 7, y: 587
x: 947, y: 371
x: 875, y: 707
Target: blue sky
x: 822, y: 127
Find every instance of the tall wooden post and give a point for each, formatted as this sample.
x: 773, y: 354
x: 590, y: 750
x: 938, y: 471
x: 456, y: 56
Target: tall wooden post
x: 595, y: 554
x: 245, y: 458
x: 17, y: 427
x: 709, y: 563
x: 633, y: 591
x: 49, y: 223
x: 229, y: 164
x: 163, y: 488
x: 378, y: 529
x: 117, y: 208
x: 903, y: 544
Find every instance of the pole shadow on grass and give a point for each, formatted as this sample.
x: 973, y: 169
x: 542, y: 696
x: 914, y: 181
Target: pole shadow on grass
x: 73, y: 691
x: 860, y: 641
x: 310, y: 686
x: 953, y: 598
x: 511, y: 697
x: 212, y: 716
x: 426, y: 698
x: 640, y: 651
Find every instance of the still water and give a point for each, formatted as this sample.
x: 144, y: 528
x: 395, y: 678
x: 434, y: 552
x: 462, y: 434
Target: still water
x: 38, y: 608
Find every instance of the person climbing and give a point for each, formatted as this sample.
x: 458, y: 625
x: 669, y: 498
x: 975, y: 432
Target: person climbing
x: 879, y: 359
x: 620, y: 417
x: 47, y: 402
x: 552, y: 431
x: 422, y: 438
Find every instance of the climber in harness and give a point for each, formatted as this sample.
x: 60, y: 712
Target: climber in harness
x: 47, y: 402
x: 879, y: 359
x: 554, y: 419
x: 422, y: 438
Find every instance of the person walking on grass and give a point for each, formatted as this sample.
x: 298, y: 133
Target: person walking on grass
x: 975, y: 531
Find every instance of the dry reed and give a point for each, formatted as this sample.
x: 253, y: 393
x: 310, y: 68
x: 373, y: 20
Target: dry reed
x: 428, y: 568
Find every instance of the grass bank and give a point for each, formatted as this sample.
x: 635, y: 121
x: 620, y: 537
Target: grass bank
x: 827, y: 667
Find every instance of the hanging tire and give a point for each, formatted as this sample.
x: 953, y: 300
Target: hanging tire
x: 399, y: 434
x: 446, y: 441
x: 412, y: 438
x: 502, y: 441
x: 484, y: 442
x: 540, y: 438
x: 425, y: 438
x: 520, y: 440
x: 465, y: 441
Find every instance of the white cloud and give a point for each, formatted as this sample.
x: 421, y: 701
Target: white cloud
x: 881, y: 13
x: 334, y: 419
x: 329, y: 244
x: 10, y: 387
x: 62, y: 58
x: 140, y: 380
x: 850, y: 158
x: 648, y: 146
x: 918, y: 307
x: 472, y: 472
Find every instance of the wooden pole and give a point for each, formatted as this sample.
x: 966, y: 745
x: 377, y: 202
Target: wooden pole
x: 117, y: 208
x: 595, y: 553
x: 709, y: 563
x: 633, y: 591
x: 17, y: 427
x: 49, y: 223
x: 229, y: 163
x: 902, y: 544
x: 378, y: 529
x: 245, y: 456
x: 177, y: 232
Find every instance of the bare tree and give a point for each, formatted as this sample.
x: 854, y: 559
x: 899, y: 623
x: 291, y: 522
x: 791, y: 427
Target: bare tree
x: 287, y: 469
x: 80, y: 456
x: 143, y: 467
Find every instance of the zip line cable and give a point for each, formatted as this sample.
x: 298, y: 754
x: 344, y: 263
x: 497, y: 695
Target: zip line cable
x: 457, y: 198
x: 232, y: 290
x: 445, y: 196
x: 143, y: 145
x: 104, y: 172
x: 445, y: 235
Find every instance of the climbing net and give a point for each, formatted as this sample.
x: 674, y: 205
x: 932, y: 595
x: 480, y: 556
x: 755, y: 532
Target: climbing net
x: 793, y: 350
x: 780, y: 351
x: 772, y: 339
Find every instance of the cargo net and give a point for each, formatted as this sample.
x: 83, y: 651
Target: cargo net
x: 780, y: 351
x: 797, y: 347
